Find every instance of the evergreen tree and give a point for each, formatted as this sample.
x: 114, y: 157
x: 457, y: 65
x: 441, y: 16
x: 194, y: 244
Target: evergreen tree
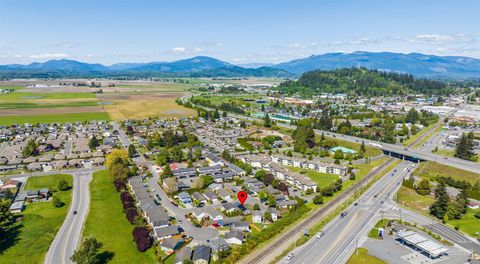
x: 464, y: 149
x: 131, y: 151
x: 440, y: 206
x: 93, y: 143
x: 167, y: 172
x: 266, y: 121
x: 423, y: 188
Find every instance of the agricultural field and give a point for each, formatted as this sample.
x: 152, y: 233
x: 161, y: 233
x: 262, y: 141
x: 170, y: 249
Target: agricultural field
x: 106, y: 210
x: 126, y: 100
x: 40, y: 223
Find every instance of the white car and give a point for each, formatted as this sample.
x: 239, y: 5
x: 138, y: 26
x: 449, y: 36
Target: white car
x: 319, y: 234
x: 290, y: 256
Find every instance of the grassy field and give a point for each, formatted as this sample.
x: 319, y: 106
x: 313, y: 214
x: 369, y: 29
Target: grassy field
x: 136, y: 109
x: 17, y: 96
x: 431, y: 170
x: 41, y: 221
x: 107, y: 222
x: 411, y: 199
x: 236, y: 99
x: 371, y: 151
x: 322, y: 179
x: 469, y: 223
x: 54, y: 118
x: 28, y: 105
x: 363, y: 258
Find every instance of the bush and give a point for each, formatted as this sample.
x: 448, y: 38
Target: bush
x: 142, y: 238
x: 57, y: 202
x: 120, y: 185
x: 318, y: 199
x: 63, y: 185
x: 131, y: 214
x: 128, y: 205
x: 126, y: 197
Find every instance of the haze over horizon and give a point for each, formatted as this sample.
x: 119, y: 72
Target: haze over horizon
x: 110, y: 32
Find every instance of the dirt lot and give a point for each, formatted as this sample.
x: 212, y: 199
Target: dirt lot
x: 49, y: 111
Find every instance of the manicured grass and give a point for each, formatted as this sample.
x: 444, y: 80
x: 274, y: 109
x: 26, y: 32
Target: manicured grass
x: 322, y: 179
x: 41, y: 221
x: 469, y: 223
x: 411, y: 199
x: 363, y: 258
x: 370, y: 151
x: 55, y: 118
x: 15, y: 96
x: 432, y: 170
x: 106, y: 221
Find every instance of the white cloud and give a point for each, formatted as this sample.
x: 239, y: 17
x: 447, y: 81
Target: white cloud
x: 49, y: 56
x: 440, y: 39
x: 197, y: 50
x: 179, y: 49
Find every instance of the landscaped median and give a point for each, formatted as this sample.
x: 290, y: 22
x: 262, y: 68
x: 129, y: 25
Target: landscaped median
x: 32, y: 235
x: 107, y: 223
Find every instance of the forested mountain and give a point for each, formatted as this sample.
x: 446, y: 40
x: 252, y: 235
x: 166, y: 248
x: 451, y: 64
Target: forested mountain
x: 362, y: 81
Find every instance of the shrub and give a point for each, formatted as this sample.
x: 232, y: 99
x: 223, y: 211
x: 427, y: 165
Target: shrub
x: 120, y: 185
x: 318, y: 199
x: 131, y: 214
x: 142, y: 238
x: 128, y: 205
x: 477, y: 214
x: 63, y: 185
x: 126, y: 197
x: 57, y: 202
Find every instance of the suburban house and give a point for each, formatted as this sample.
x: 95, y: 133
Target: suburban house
x: 235, y: 237
x: 201, y: 255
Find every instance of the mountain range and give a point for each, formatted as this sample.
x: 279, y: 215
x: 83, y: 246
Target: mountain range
x: 417, y: 64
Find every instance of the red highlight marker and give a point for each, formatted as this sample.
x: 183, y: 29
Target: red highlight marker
x: 242, y: 196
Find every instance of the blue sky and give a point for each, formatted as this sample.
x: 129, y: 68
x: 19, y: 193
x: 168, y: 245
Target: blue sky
x: 246, y: 31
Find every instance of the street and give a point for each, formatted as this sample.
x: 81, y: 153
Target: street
x: 68, y: 237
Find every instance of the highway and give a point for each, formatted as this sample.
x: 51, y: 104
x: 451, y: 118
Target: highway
x: 407, y: 151
x: 68, y: 237
x: 342, y: 233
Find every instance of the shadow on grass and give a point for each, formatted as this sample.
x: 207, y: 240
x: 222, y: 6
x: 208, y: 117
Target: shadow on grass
x: 105, y: 257
x: 11, y: 238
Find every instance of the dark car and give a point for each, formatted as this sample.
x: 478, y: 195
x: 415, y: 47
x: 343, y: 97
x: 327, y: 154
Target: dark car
x: 74, y: 212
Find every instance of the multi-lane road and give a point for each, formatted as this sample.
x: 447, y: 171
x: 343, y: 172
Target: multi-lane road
x: 343, y: 233
x: 68, y: 237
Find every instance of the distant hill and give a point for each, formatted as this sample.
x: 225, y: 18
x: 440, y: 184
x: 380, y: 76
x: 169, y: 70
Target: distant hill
x: 421, y: 65
x: 362, y: 81
x: 417, y: 64
x: 200, y: 66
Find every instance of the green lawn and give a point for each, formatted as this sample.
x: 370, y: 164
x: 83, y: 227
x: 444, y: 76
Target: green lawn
x: 363, y: 258
x: 41, y: 221
x: 371, y: 151
x: 322, y: 179
x: 469, y: 223
x: 15, y: 96
x: 107, y: 222
x: 57, y: 118
x: 431, y: 170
